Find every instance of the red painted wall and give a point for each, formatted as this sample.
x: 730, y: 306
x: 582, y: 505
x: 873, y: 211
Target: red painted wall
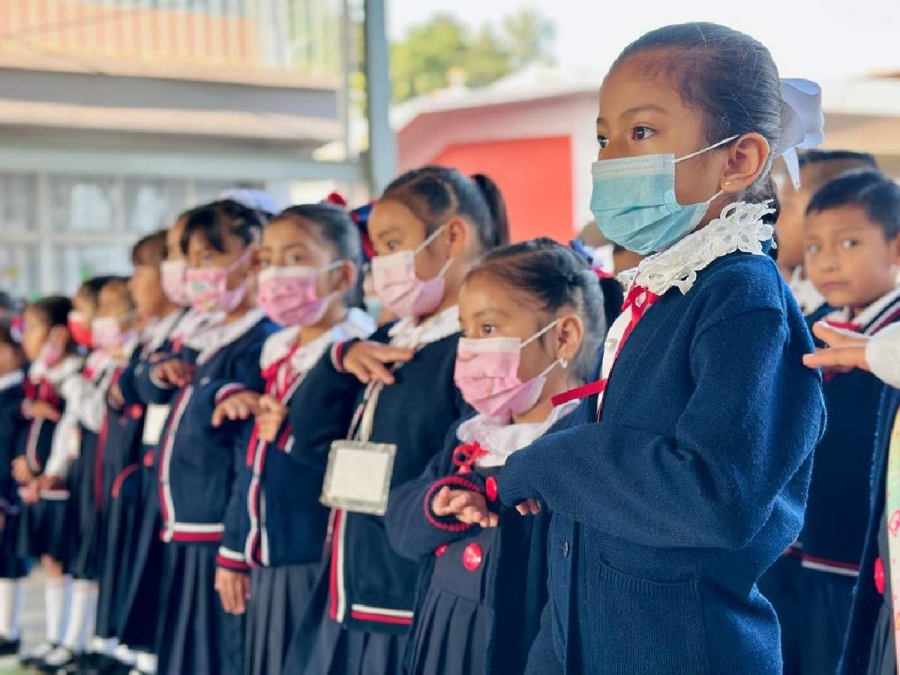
x: 535, y: 176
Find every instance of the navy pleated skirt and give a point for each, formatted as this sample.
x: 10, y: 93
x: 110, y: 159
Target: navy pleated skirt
x: 44, y: 530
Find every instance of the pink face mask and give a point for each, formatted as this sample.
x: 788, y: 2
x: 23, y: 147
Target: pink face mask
x: 487, y: 375
x: 207, y: 287
x: 400, y: 290
x: 107, y: 332
x: 173, y: 281
x: 289, y: 297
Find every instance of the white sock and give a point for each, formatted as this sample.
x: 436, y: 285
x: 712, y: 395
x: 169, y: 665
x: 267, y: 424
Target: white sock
x: 123, y: 654
x: 145, y: 662
x: 81, y: 619
x: 56, y: 602
x: 105, y: 646
x: 10, y: 608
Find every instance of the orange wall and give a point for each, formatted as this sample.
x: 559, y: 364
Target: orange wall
x: 535, y: 175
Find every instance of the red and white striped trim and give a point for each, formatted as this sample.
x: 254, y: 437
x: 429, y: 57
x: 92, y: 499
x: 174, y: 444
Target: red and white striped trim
x: 228, y: 390
x: 381, y: 615
x: 193, y: 532
x: 232, y: 560
x: 337, y: 601
x: 31, y: 454
x: 122, y: 477
x: 55, y: 495
x: 831, y: 566
x: 336, y: 353
x: 165, y: 460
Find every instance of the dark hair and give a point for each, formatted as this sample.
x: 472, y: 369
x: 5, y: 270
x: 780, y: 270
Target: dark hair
x: 149, y: 250
x: 555, y: 277
x: 820, y: 166
x: 91, y: 288
x: 336, y: 228
x: 872, y: 191
x: 54, y: 309
x: 435, y: 193
x: 217, y: 219
x: 7, y: 338
x: 729, y: 77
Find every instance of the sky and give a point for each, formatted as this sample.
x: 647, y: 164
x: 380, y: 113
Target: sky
x: 817, y: 39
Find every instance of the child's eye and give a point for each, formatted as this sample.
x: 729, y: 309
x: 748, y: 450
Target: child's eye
x: 849, y: 243
x: 488, y: 329
x: 603, y: 141
x: 393, y: 245
x: 641, y: 133
x: 293, y: 260
x: 812, y: 249
x: 264, y: 264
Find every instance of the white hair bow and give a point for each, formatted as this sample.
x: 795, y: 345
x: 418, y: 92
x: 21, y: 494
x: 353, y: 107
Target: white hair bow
x: 257, y: 200
x: 803, y: 122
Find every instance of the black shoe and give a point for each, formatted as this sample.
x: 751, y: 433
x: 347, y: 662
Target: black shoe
x: 9, y: 647
x: 37, y: 655
x: 59, y: 660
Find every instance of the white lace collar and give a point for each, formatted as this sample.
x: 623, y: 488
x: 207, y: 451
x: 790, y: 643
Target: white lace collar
x: 738, y: 228
x: 210, y: 341
x: 410, y: 332
x: 61, y: 371
x: 873, y: 317
x: 159, y: 331
x: 501, y: 439
x: 358, y: 324
x: 11, y: 380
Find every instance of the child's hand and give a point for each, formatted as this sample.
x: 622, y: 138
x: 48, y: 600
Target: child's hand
x: 21, y: 472
x: 529, y: 507
x: 846, y: 350
x: 31, y: 493
x: 41, y: 410
x: 240, y: 406
x: 46, y: 482
x: 367, y: 361
x: 233, y: 589
x: 467, y: 506
x: 176, y: 372
x: 115, y: 397
x: 269, y: 418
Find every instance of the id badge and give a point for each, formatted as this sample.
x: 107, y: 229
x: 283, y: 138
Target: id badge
x: 358, y: 476
x: 154, y: 422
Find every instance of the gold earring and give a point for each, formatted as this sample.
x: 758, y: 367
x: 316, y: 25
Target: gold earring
x: 727, y: 183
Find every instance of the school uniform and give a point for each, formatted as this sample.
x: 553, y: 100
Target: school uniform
x: 869, y: 647
x: 120, y: 488
x: 141, y: 579
x: 13, y: 428
x: 276, y: 530
x: 86, y: 402
x: 44, y: 526
x: 837, y: 510
x: 667, y: 511
x: 362, y: 607
x: 196, y: 469
x: 482, y: 591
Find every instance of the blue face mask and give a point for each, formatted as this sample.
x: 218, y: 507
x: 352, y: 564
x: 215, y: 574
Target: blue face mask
x: 633, y: 201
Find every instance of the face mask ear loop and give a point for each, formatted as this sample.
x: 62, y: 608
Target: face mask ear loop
x: 711, y: 147
x: 541, y: 332
x: 429, y: 240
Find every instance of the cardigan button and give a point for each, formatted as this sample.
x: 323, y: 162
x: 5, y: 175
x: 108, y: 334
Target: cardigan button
x: 565, y: 549
x: 490, y: 488
x: 879, y: 575
x: 472, y: 556
x: 440, y: 550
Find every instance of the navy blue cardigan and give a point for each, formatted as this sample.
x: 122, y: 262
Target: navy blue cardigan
x: 376, y: 587
x: 667, y: 512
x: 12, y: 433
x: 196, y: 461
x: 867, y: 601
x: 516, y: 587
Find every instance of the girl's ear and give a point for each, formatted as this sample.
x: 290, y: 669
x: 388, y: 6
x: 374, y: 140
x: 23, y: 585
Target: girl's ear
x: 746, y: 160
x: 457, y: 234
x: 347, y: 276
x: 59, y: 337
x: 569, y: 336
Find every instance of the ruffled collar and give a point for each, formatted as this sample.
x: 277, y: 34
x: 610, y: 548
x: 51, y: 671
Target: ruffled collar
x: 156, y: 334
x: 411, y: 332
x: 500, y: 439
x: 55, y: 375
x: 210, y: 341
x: 11, y: 380
x: 738, y: 228
x: 358, y: 324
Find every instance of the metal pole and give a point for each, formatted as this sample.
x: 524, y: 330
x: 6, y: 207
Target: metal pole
x: 381, y: 159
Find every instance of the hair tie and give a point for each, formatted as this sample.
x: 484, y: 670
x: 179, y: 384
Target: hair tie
x: 803, y: 122
x: 335, y: 199
x: 255, y: 200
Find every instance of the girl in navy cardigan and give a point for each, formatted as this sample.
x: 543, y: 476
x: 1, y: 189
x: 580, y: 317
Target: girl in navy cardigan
x: 309, y: 259
x: 139, y: 575
x: 212, y: 384
x: 533, y: 317
x: 51, y: 352
x: 427, y: 230
x: 668, y: 509
x: 13, y: 427
x: 853, y: 250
